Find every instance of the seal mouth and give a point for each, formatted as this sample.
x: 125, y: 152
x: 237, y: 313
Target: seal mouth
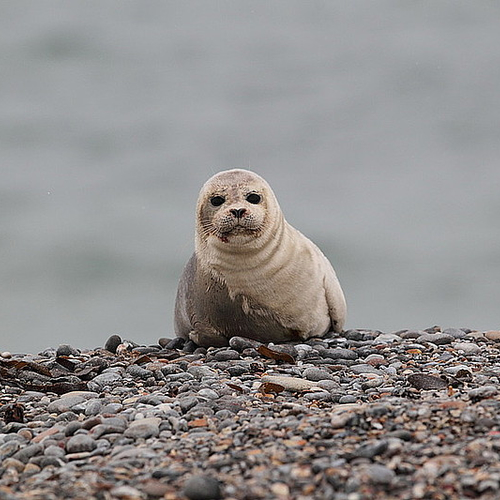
x: 236, y: 230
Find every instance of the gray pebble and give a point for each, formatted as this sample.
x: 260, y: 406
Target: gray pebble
x: 385, y: 338
x: 461, y: 370
x: 171, y: 369
x: 137, y: 371
x: 64, y: 404
x: 347, y: 399
x: 79, y: 443
x: 241, y: 343
x: 54, y: 451
x: 426, y: 382
x: 202, y: 488
x: 8, y: 449
x: 126, y: 492
x: 24, y: 454
x: 112, y: 343
x: 103, y: 380
x: 144, y: 428
x: 371, y: 450
x: 410, y: 334
x: 186, y: 403
x: 226, y: 355
x: 467, y: 347
x: 112, y: 408
x: 198, y: 372
x: 318, y: 396
x: 339, y: 353
x: 328, y: 385
x: 72, y: 427
x: 93, y: 407
x: 436, y: 338
x: 66, y: 350
x: 208, y: 393
x: 379, y: 474
x: 317, y: 374
x: 485, y: 392
x: 364, y: 368
x: 455, y: 332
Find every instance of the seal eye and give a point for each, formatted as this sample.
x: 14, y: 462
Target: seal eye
x: 217, y: 201
x: 254, y: 198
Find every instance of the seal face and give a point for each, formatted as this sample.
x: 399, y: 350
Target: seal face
x: 252, y: 274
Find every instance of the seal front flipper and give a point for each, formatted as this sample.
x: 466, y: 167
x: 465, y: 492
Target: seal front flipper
x: 335, y: 299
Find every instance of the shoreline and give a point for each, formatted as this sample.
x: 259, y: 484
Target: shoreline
x: 358, y: 415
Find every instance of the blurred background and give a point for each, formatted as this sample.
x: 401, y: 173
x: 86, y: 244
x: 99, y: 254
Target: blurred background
x: 376, y: 123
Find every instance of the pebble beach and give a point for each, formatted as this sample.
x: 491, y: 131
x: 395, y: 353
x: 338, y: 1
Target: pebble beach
x: 413, y: 414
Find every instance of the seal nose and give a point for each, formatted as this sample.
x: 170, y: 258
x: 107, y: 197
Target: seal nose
x: 238, y: 212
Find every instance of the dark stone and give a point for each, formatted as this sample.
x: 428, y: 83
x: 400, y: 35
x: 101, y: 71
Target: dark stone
x: 189, y: 347
x: 66, y: 350
x: 426, y: 382
x: 370, y: 450
x: 339, y: 353
x: 177, y: 343
x: 139, y: 372
x: 163, y: 342
x: 353, y: 335
x: 72, y: 427
x: 202, y: 488
x: 112, y: 343
x: 32, y: 450
x: 146, y: 350
x: 436, y: 338
x: 237, y: 370
x: 242, y: 343
x: 226, y: 355
x: 402, y: 434
x: 79, y: 443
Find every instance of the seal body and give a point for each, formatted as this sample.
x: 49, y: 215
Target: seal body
x: 252, y: 274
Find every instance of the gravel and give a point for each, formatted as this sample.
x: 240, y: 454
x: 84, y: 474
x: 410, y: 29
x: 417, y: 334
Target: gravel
x: 359, y: 415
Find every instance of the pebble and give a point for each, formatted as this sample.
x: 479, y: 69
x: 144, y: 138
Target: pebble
x: 467, y: 347
x: 66, y: 350
x: 101, y: 381
x: 487, y: 391
x: 436, y: 338
x: 347, y: 399
x: 316, y: 374
x: 385, y: 338
x: 241, y: 343
x: 144, y: 428
x: 340, y: 353
x: 290, y: 383
x: 112, y: 343
x: 493, y: 335
x: 379, y: 474
x: 171, y: 420
x: 455, y: 333
x: 426, y: 382
x: 202, y: 488
x: 208, y: 393
x: 80, y: 442
x: 364, y: 368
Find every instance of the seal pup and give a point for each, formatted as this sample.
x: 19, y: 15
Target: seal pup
x: 252, y: 274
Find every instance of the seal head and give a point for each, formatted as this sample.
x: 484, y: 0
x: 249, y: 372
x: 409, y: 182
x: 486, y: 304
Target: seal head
x: 252, y: 274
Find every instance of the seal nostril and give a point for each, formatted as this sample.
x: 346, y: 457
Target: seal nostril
x: 238, y: 212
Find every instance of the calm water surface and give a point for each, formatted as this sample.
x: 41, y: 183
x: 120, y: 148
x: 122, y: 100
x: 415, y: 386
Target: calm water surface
x: 377, y: 124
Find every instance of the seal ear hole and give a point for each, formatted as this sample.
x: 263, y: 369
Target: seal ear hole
x: 254, y: 198
x: 217, y: 201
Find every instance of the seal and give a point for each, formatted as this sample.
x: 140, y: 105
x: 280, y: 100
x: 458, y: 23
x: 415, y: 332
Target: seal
x: 252, y: 274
